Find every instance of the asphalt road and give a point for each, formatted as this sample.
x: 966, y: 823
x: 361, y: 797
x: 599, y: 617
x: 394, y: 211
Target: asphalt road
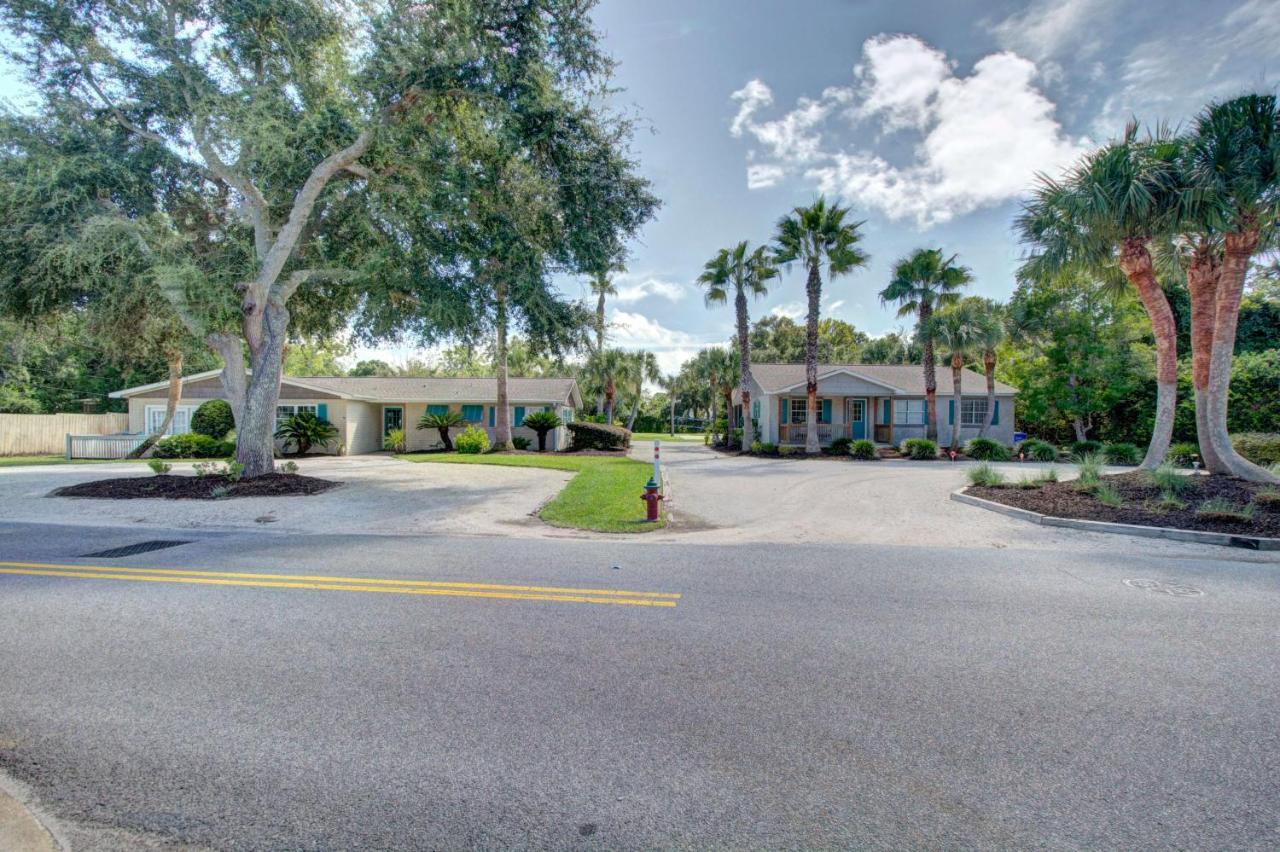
x: 794, y: 695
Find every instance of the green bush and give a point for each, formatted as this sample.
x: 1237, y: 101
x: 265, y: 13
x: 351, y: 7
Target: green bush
x: 757, y: 447
x: 735, y: 438
x: 158, y: 467
x: 541, y: 422
x: 472, y: 441
x: 1090, y: 465
x: 304, y: 431
x: 840, y: 446
x: 520, y: 442
x: 786, y: 450
x: 985, y: 475
x: 598, y: 436
x: 1183, y: 454
x: 1038, y: 450
x: 394, y: 441
x: 1258, y: 447
x: 192, y: 446
x: 442, y: 423
x: 864, y: 450
x: 1082, y: 448
x: 213, y: 418
x: 1120, y: 453
x: 920, y: 449
x: 986, y: 449
x: 769, y: 449
x: 1167, y: 478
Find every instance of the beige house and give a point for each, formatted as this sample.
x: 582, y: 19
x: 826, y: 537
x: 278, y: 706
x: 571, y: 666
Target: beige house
x: 364, y: 409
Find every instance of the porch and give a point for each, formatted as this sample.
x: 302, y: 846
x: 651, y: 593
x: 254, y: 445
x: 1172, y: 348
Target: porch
x: 797, y: 434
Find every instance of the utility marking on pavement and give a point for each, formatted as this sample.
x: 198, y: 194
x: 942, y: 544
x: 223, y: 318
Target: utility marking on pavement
x: 345, y: 584
x: 1163, y: 587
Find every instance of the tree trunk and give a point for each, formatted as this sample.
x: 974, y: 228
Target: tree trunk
x: 673, y: 413
x: 608, y: 401
x: 234, y: 381
x: 930, y: 374
x: 1135, y: 262
x: 171, y: 408
x: 712, y: 427
x: 813, y: 288
x: 600, y: 323
x: 502, y: 429
x: 255, y: 443
x: 635, y: 409
x: 1202, y: 284
x: 1079, y: 428
x: 446, y: 440
x: 744, y: 356
x: 989, y: 368
x: 1239, y: 247
x: 957, y: 365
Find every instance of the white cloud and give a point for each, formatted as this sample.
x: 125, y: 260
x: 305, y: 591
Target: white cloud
x: 629, y: 293
x: 754, y: 95
x: 790, y: 310
x: 671, y: 347
x: 1050, y: 28
x: 982, y: 136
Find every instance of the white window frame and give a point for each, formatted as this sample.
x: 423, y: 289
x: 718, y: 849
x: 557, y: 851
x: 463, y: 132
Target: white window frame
x: 181, y: 417
x: 803, y: 408
x: 294, y: 408
x: 973, y: 411
x: 908, y: 412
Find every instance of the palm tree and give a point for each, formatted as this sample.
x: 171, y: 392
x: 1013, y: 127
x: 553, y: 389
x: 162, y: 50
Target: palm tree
x: 602, y: 285
x: 991, y: 327
x: 955, y: 328
x: 642, y: 367
x: 1106, y: 212
x: 671, y: 384
x: 606, y: 368
x: 713, y: 368
x: 742, y: 271
x: 813, y: 235
x: 922, y: 282
x: 1233, y: 171
x: 442, y: 423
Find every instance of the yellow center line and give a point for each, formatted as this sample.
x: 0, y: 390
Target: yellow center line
x: 339, y: 584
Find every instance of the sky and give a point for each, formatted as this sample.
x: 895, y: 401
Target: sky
x: 929, y: 119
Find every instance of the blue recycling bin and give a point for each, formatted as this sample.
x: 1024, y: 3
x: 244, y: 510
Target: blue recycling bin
x: 1019, y: 437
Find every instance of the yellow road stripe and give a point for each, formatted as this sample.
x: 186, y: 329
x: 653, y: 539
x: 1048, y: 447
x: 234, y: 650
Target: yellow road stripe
x: 342, y: 587
x: 325, y: 579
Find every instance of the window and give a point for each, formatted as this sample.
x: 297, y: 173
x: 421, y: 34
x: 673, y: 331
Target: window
x: 473, y: 413
x: 799, y: 410
x: 908, y: 412
x: 284, y: 412
x: 437, y: 409
x: 181, y: 419
x: 973, y: 412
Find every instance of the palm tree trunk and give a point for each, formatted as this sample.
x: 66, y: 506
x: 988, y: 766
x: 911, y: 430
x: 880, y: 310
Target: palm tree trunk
x: 744, y: 355
x: 813, y: 288
x: 1202, y: 284
x: 673, y: 413
x: 957, y: 365
x: 930, y: 374
x: 712, y: 428
x: 600, y: 323
x: 1238, y: 247
x: 502, y: 429
x: 446, y: 440
x: 171, y: 408
x: 635, y: 409
x: 609, y: 391
x: 1135, y: 262
x: 989, y: 368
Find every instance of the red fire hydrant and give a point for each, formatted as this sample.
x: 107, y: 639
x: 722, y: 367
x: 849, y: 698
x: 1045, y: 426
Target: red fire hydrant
x: 651, y: 498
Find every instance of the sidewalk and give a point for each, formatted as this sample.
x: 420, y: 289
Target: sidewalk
x: 20, y: 831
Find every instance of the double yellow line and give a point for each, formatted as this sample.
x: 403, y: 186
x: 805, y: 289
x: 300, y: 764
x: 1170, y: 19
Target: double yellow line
x: 436, y: 588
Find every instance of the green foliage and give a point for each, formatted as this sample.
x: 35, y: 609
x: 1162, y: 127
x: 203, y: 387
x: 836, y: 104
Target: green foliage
x: 289, y: 467
x: 1268, y: 498
x: 924, y: 281
x: 520, y: 442
x: 920, y: 449
x: 1167, y: 502
x: 987, y: 450
x: 192, y: 446
x: 598, y: 436
x: 1089, y: 468
x: 786, y: 451
x: 1167, y: 478
x: 840, y: 446
x: 1108, y: 495
x: 1258, y: 447
x: 317, y: 356
x: 1222, y: 509
x: 1183, y: 453
x: 1050, y: 475
x: 778, y: 339
x: 1081, y: 448
x: 394, y: 441
x: 985, y: 475
x: 473, y: 441
x: 213, y: 418
x: 1121, y: 453
x: 442, y: 423
x: 757, y: 447
x: 1038, y: 450
x: 234, y: 471
x: 864, y: 450
x: 220, y: 491
x: 304, y: 431
x: 158, y: 467
x: 541, y: 422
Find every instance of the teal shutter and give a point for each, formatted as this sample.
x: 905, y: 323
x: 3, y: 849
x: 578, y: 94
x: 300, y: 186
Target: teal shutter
x: 755, y: 409
x: 437, y: 409
x: 995, y: 414
x: 519, y: 418
x: 951, y: 412
x: 825, y: 417
x: 925, y: 418
x: 782, y: 411
x: 322, y: 411
x: 493, y: 416
x: 888, y: 407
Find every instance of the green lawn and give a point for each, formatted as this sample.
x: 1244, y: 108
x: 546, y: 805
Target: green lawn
x: 680, y: 437
x: 19, y: 461
x: 604, y: 496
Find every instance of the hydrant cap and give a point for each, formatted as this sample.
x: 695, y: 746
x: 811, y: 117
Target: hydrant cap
x: 651, y: 483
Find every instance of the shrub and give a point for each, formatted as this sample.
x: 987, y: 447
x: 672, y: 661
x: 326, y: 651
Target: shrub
x: 985, y: 475
x: 1258, y: 447
x: 1050, y: 475
x: 840, y: 446
x: 1082, y: 448
x: 1222, y: 509
x: 757, y: 447
x: 985, y: 449
x: 1038, y: 450
x: 473, y: 441
x: 598, y: 436
x: 1090, y: 465
x: 204, y: 469
x: 1168, y: 502
x: 220, y: 491
x: 787, y: 450
x: 1183, y: 454
x: 304, y: 431
x: 288, y: 467
x: 442, y: 423
x: 1107, y: 494
x: 158, y: 467
x: 1167, y: 478
x: 214, y: 419
x: 394, y: 441
x: 1120, y: 453
x: 920, y: 449
x: 520, y: 442
x: 234, y: 470
x: 735, y: 438
x: 541, y: 422
x: 192, y: 446
x: 769, y: 449
x: 864, y: 450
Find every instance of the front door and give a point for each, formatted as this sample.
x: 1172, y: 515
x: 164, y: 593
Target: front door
x: 858, y: 418
x: 392, y: 418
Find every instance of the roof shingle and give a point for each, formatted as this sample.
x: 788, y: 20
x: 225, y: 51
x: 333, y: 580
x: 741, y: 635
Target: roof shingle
x: 906, y: 379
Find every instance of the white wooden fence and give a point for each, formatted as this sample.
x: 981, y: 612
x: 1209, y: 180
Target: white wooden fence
x: 102, y: 446
x: 46, y: 434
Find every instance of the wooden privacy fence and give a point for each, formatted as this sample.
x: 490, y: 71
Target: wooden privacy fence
x: 45, y: 434
x: 102, y: 446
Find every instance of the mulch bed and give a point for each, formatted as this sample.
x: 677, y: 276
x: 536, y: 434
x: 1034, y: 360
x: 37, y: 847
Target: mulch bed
x: 171, y: 487
x: 1066, y: 500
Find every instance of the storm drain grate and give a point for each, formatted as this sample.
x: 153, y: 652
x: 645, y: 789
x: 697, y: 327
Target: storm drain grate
x: 134, y: 549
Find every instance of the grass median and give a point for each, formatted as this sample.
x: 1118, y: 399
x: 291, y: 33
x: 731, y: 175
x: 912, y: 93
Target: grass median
x: 604, y: 496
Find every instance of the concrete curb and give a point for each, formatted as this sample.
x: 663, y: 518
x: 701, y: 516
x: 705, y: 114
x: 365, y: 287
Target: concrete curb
x: 1245, y: 542
x: 21, y: 828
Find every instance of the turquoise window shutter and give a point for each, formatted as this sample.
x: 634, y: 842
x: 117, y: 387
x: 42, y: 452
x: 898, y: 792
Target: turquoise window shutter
x: 322, y: 411
x: 493, y: 415
x: 755, y: 409
x: 825, y: 417
x: 951, y: 412
x: 887, y: 409
x: 782, y: 411
x: 519, y: 418
x: 437, y: 409
x: 472, y: 413
x: 995, y: 414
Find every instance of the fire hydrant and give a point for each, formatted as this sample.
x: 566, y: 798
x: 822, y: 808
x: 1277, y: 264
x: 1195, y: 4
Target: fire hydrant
x: 651, y: 498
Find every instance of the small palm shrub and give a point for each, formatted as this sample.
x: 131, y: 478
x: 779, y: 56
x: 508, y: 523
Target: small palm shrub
x: 1167, y: 478
x: 1090, y: 467
x: 158, y: 467
x: 1183, y: 454
x: 520, y: 442
x: 1107, y: 494
x: 394, y: 441
x: 213, y: 418
x: 864, y: 450
x: 1081, y: 448
x: 1038, y: 450
x: 985, y: 449
x: 1222, y: 509
x: 192, y: 446
x: 598, y: 436
x: 541, y: 422
x: 442, y: 423
x: 473, y: 441
x: 985, y: 475
x: 1120, y: 453
x: 304, y: 431
x: 840, y: 446
x: 920, y: 449
x: 1258, y: 447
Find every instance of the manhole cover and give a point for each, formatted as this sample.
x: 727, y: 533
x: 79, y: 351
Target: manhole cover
x: 1164, y: 587
x: 133, y: 549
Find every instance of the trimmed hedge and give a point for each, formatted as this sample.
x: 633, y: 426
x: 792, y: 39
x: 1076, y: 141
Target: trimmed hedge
x: 985, y: 449
x: 597, y: 436
x: 1121, y: 453
x: 192, y: 446
x: 1258, y: 447
x: 472, y: 441
x: 840, y: 446
x: 920, y: 449
x: 213, y: 418
x: 864, y: 450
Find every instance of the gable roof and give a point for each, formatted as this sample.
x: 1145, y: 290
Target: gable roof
x: 901, y: 379
x: 410, y: 389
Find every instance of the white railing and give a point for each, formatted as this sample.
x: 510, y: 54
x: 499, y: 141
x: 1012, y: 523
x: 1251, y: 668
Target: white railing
x: 798, y: 433
x: 102, y: 446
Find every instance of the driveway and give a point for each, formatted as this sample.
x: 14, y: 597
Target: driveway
x: 379, y: 495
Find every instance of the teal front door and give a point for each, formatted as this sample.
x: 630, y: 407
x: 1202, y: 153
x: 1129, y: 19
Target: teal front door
x: 858, y: 418
x: 392, y: 418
